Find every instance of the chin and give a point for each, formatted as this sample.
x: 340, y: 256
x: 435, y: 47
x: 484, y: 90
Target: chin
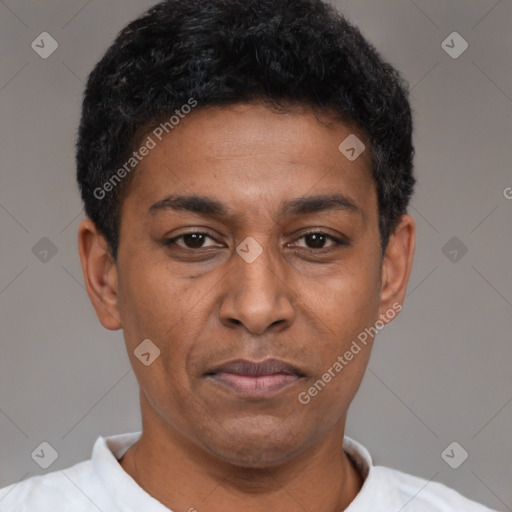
x: 262, y: 444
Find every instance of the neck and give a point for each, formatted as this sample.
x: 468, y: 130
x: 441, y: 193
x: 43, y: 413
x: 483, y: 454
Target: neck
x: 184, y: 476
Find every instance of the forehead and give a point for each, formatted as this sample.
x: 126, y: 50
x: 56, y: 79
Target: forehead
x: 250, y: 156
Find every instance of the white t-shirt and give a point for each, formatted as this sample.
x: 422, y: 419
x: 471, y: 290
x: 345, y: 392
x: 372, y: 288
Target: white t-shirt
x: 101, y: 484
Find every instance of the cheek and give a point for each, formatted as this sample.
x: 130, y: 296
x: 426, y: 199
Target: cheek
x: 346, y: 308
x: 152, y: 302
x: 345, y: 305
x: 155, y: 306
x: 167, y: 310
x: 349, y: 302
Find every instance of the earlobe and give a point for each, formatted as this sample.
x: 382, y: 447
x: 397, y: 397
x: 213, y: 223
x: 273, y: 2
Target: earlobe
x: 100, y: 274
x: 397, y: 264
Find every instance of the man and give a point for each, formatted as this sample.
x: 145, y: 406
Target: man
x: 246, y: 167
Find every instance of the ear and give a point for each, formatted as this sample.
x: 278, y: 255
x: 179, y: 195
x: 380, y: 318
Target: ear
x: 396, y: 266
x: 100, y: 274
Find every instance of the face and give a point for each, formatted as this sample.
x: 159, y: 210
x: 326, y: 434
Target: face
x: 247, y: 235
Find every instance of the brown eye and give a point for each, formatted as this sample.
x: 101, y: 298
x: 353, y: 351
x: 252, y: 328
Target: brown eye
x: 317, y: 240
x: 194, y: 240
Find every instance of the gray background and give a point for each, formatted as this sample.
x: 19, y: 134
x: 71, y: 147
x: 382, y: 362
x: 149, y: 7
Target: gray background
x: 440, y: 373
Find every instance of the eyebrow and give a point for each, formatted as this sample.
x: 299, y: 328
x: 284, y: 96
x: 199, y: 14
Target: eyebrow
x: 207, y: 206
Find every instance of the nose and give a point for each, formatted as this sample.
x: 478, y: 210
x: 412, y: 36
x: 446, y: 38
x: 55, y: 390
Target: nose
x: 256, y: 295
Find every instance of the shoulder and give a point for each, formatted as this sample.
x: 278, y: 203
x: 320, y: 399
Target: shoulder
x: 385, y: 489
x: 417, y: 494
x: 56, y: 491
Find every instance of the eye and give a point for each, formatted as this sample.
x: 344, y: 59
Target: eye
x: 192, y: 240
x: 315, y: 240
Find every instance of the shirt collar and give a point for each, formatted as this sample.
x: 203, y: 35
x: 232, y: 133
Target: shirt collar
x: 123, y: 490
x: 363, y: 462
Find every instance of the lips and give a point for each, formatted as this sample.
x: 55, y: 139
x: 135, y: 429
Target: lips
x: 252, y: 369
x: 255, y: 379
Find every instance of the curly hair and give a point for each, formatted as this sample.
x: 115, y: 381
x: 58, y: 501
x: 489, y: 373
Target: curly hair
x: 283, y: 53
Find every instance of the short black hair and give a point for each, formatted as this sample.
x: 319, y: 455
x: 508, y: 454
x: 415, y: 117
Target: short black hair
x: 283, y: 53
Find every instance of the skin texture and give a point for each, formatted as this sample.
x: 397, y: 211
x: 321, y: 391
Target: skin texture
x: 203, y: 446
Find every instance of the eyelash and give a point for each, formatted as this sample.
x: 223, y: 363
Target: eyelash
x: 338, y: 242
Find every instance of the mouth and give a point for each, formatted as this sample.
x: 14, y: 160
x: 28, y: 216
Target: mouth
x: 250, y: 379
